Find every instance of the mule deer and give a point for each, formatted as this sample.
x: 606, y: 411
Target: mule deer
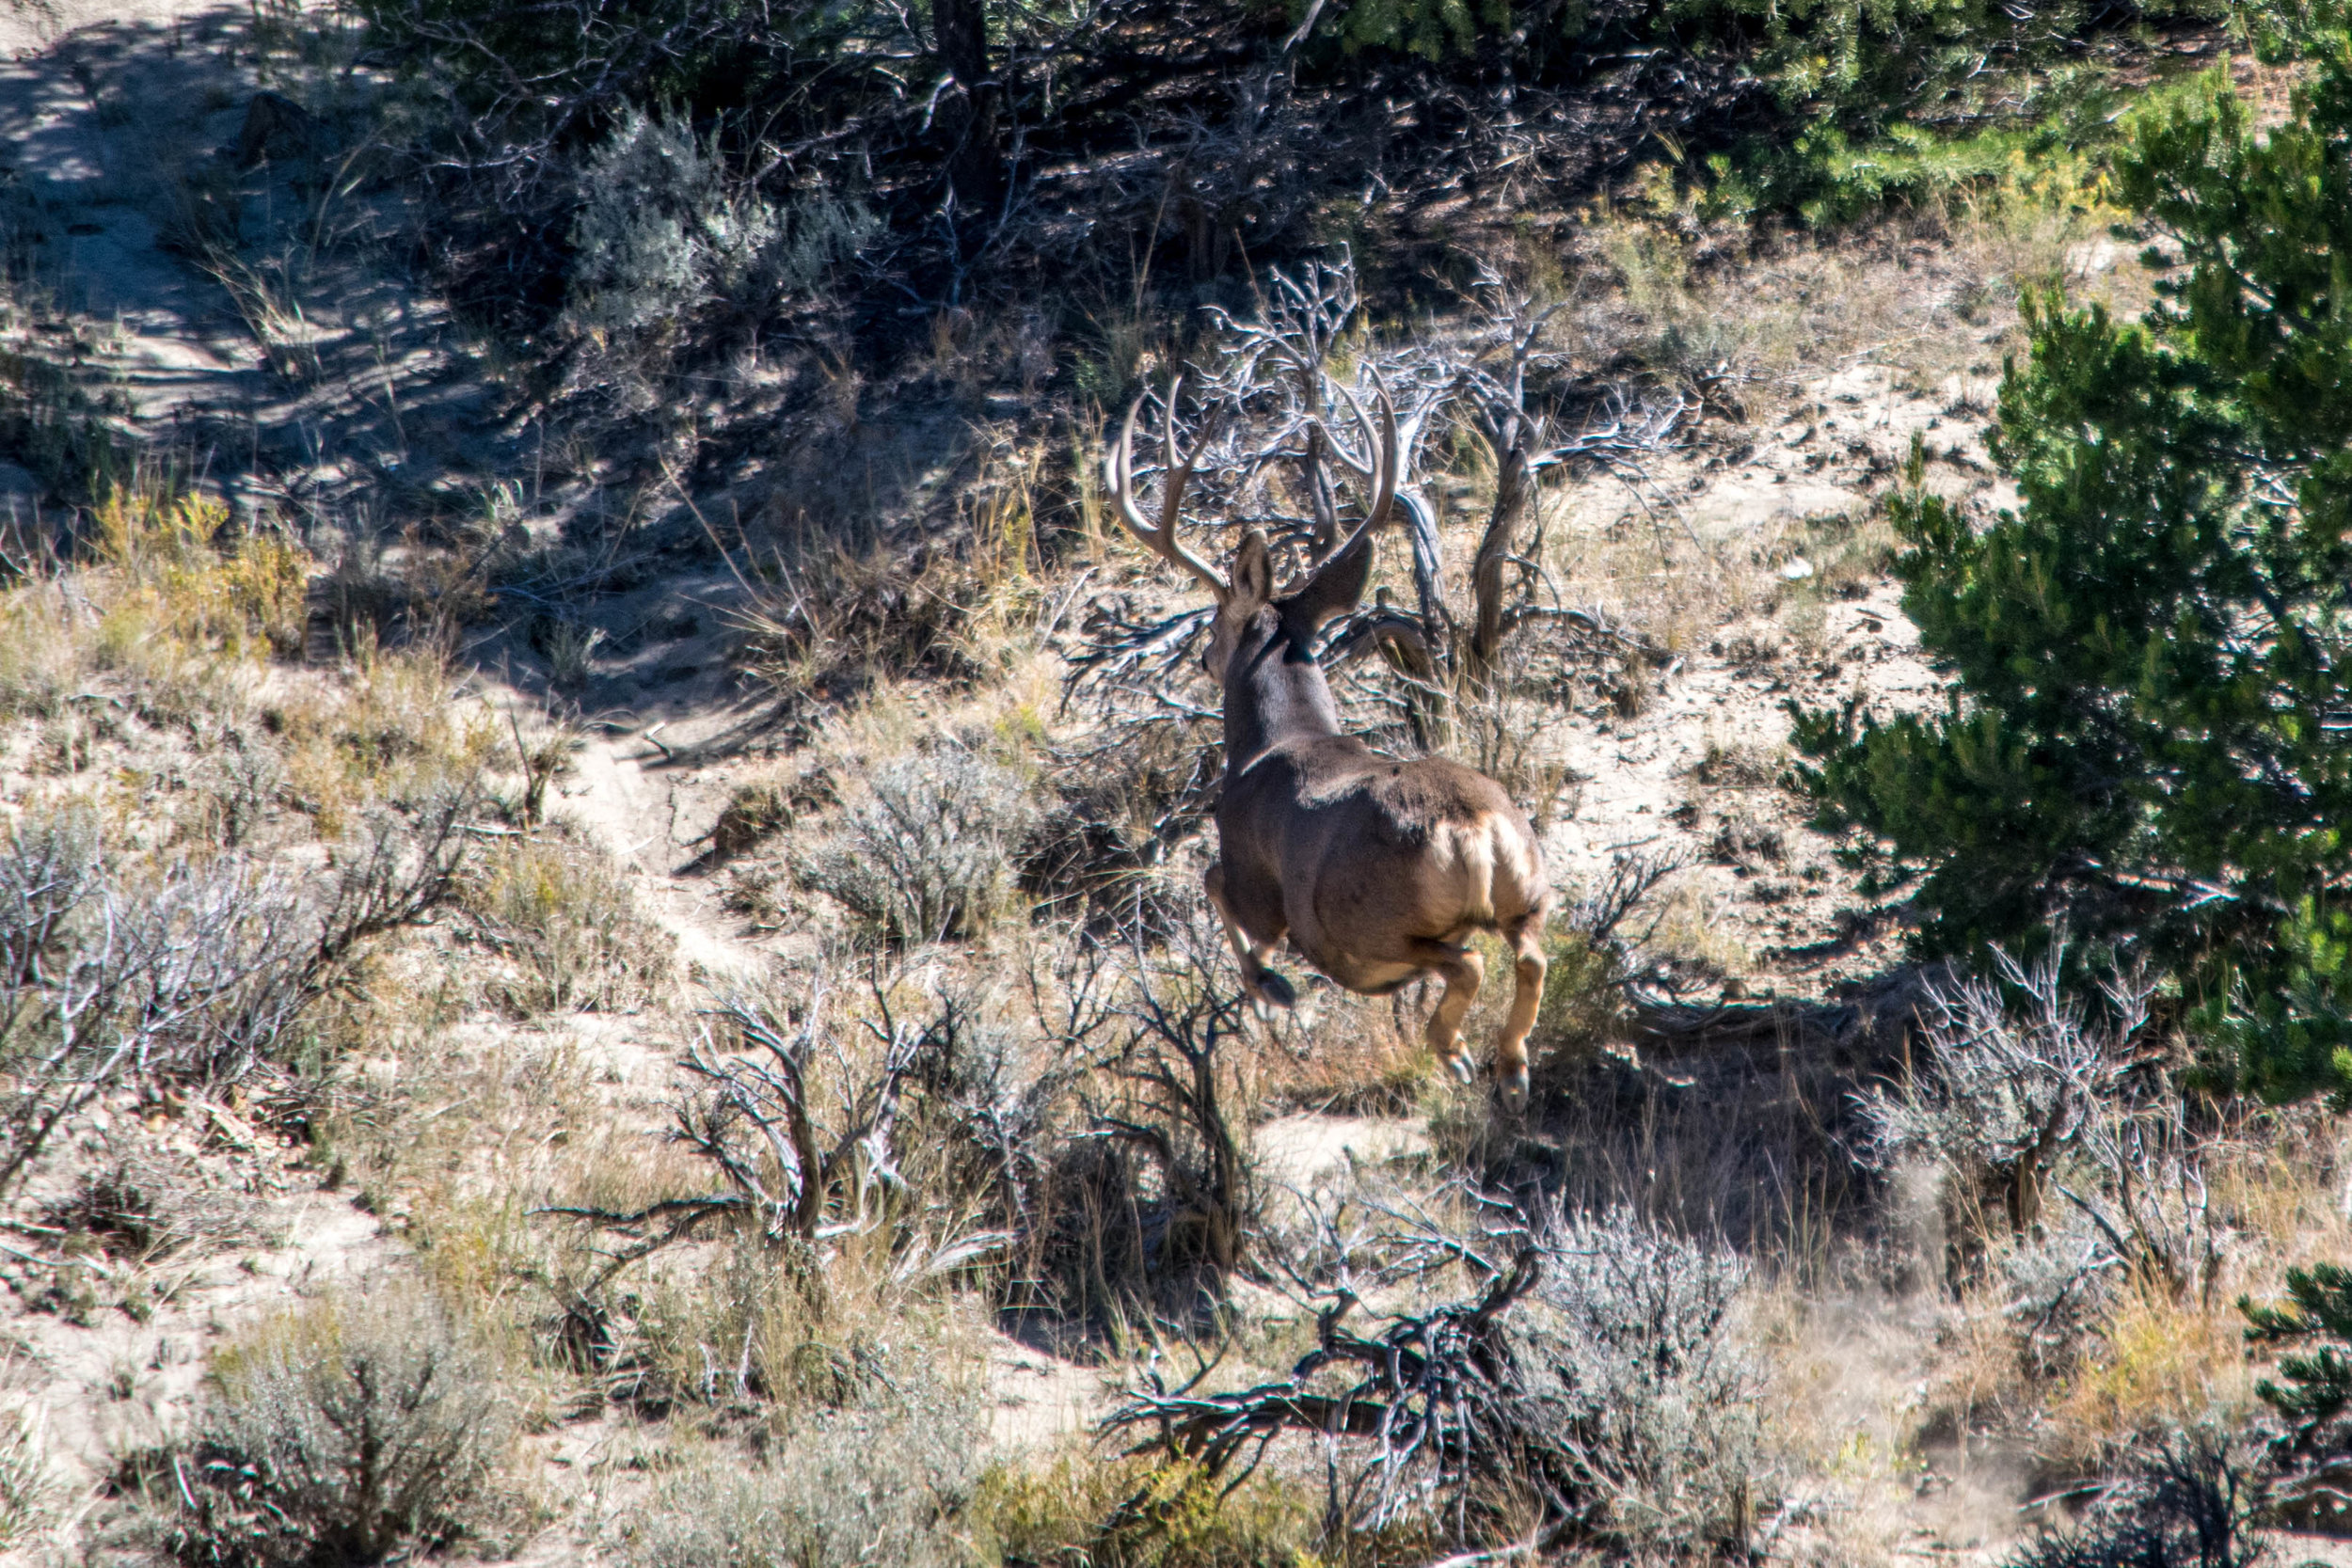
x: 1376, y: 869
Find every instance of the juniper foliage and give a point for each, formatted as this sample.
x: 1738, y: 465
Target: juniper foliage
x: 2151, y: 692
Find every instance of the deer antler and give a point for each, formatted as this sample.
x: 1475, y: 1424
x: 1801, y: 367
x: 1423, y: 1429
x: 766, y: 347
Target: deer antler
x: 1385, y: 453
x: 1118, y: 477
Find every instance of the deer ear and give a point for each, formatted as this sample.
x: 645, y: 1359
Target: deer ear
x: 1337, y: 587
x: 1253, y: 576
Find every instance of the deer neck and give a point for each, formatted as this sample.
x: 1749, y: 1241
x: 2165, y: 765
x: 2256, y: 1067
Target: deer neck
x: 1273, y: 691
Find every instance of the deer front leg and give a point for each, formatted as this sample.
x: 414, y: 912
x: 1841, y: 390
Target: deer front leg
x: 1526, y: 937
x: 1265, y: 988
x: 1462, y: 970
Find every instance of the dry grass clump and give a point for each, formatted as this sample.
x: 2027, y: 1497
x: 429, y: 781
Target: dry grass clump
x: 827, y: 623
x: 178, y: 606
x: 186, y: 574
x: 142, y: 1205
x: 344, y: 1431
x: 1347, y: 1056
x: 31, y: 1487
x: 1134, y: 1513
x: 46, y: 645
x: 390, y: 727
x: 2151, y: 1364
x: 757, y: 810
x: 1657, y: 580
x: 565, y: 920
x: 1505, y: 734
x: 1740, y: 764
x: 1930, y: 292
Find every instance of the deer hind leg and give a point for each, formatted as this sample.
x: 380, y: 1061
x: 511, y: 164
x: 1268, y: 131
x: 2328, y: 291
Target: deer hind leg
x: 1526, y: 937
x: 1462, y: 970
x: 1265, y: 988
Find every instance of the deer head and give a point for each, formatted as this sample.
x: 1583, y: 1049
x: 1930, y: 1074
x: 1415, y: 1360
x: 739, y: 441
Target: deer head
x: 1330, y: 587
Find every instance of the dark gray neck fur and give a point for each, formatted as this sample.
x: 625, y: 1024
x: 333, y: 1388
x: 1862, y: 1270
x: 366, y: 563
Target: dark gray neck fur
x: 1273, y: 691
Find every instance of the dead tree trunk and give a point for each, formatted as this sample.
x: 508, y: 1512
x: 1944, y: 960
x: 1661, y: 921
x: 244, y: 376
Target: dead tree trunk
x: 1513, y: 491
x: 975, y: 172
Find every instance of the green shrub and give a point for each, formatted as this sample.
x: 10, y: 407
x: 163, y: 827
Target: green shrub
x: 2314, y: 1385
x: 2150, y: 684
x: 340, y: 1434
x: 666, y: 230
x: 2311, y: 1394
x: 885, y: 1484
x: 926, y: 852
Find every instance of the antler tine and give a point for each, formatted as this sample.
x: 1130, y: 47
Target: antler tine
x: 1391, y: 461
x: 1368, y: 469
x: 1384, y: 449
x: 1118, y: 477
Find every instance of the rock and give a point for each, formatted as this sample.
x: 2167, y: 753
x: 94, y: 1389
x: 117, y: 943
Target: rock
x: 273, y: 121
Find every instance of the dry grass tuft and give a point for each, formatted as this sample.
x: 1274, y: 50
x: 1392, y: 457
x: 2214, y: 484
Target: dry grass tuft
x: 565, y: 920
x: 390, y: 727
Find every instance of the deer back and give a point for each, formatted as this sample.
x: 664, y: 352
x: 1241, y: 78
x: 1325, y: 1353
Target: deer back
x: 1320, y: 834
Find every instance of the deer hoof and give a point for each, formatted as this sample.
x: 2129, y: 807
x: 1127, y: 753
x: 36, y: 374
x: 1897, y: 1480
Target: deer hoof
x: 1274, y: 989
x: 1459, y: 1065
x: 1511, y: 1087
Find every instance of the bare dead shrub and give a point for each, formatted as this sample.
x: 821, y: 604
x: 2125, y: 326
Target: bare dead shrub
x: 191, y: 973
x: 2190, y: 1498
x: 2008, y: 1093
x: 1125, y: 798
x: 1178, y: 1103
x: 2066, y: 1154
x: 925, y: 852
x: 395, y: 870
x: 1000, y: 1098
x: 1145, y: 1203
x: 193, y: 976
x: 141, y: 1204
x: 1271, y: 445
x: 340, y: 1434
x: 199, y: 973
x: 1580, y: 1370
x: 797, y: 1105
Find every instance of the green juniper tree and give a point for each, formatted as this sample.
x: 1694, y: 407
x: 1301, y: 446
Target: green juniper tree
x: 2149, y: 730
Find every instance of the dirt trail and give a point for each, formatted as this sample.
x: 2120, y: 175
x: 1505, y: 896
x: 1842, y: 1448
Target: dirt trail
x: 640, y: 818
